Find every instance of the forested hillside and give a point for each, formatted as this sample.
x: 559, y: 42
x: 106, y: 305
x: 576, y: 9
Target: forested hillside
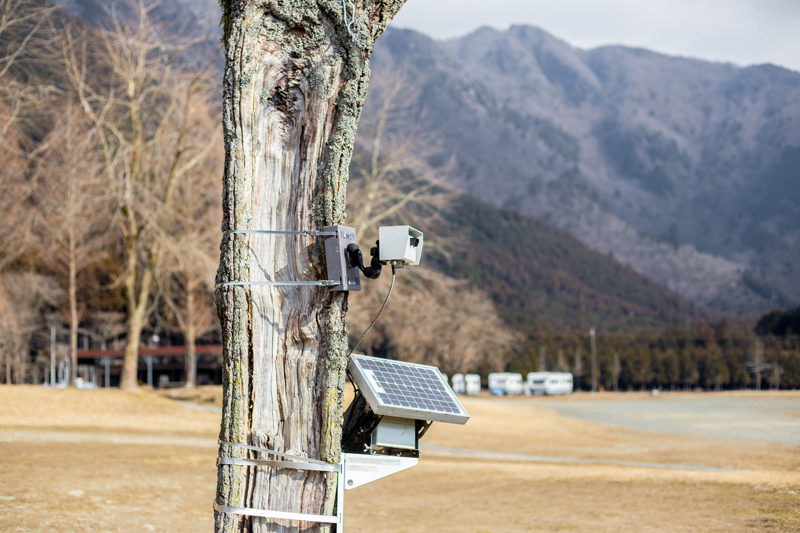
x: 539, y: 276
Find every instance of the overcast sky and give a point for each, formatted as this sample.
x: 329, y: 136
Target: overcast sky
x: 738, y: 31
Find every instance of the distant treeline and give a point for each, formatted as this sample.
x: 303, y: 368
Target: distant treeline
x: 780, y: 323
x: 716, y: 357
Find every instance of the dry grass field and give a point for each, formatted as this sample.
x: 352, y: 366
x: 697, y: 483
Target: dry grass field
x: 115, y: 461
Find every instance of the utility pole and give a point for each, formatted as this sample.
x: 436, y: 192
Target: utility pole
x: 106, y: 372
x: 594, y: 359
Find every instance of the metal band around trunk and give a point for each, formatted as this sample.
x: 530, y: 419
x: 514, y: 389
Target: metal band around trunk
x: 296, y: 462
x: 273, y: 452
x: 317, y: 283
x: 310, y: 232
x: 294, y: 465
x: 279, y: 515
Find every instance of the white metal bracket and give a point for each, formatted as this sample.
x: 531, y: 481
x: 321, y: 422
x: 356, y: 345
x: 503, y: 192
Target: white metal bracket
x: 354, y: 470
x: 278, y: 515
x: 360, y: 469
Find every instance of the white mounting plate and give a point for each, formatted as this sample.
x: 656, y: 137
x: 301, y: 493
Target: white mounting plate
x: 360, y: 469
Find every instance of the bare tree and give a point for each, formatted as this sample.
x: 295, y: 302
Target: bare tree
x: 390, y: 171
x: 144, y: 111
x: 14, y: 241
x: 24, y: 297
x: 21, y: 27
x: 107, y: 325
x: 24, y: 30
x: 295, y: 81
x: 71, y: 211
x: 440, y: 321
x: 6, y: 329
x: 186, y: 272
x: 187, y: 292
x: 433, y: 319
x: 26, y: 33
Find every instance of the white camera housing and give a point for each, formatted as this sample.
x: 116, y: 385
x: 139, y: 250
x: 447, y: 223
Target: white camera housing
x: 400, y: 244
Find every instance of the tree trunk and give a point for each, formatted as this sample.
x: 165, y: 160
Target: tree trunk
x: 191, y: 363
x: 137, y: 300
x: 190, y: 336
x: 21, y: 367
x: 73, y: 313
x: 295, y: 82
x: 129, y: 378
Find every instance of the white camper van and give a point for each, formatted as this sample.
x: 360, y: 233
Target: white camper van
x: 505, y: 383
x: 473, y: 384
x: 458, y: 384
x: 549, y: 383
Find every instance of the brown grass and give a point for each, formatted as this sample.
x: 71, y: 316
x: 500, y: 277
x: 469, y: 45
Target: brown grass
x: 114, y: 461
x: 104, y: 409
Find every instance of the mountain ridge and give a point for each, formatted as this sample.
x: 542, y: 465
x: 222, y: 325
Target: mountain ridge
x: 653, y: 158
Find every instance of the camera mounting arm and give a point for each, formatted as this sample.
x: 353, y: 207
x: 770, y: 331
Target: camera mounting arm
x: 355, y: 258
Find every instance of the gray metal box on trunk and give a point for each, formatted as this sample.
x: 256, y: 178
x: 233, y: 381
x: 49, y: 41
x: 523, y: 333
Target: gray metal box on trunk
x: 336, y: 259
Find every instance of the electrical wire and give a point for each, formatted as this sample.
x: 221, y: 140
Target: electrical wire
x: 391, y: 286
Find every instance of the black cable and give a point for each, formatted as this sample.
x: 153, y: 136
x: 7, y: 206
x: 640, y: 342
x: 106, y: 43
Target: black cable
x: 391, y: 286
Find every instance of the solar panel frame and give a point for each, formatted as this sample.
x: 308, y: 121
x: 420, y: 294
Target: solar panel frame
x: 406, y: 390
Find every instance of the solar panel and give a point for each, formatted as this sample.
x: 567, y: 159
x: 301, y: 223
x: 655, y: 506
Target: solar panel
x: 406, y: 390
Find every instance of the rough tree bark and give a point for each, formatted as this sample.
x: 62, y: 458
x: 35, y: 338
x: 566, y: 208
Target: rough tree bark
x: 295, y: 82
